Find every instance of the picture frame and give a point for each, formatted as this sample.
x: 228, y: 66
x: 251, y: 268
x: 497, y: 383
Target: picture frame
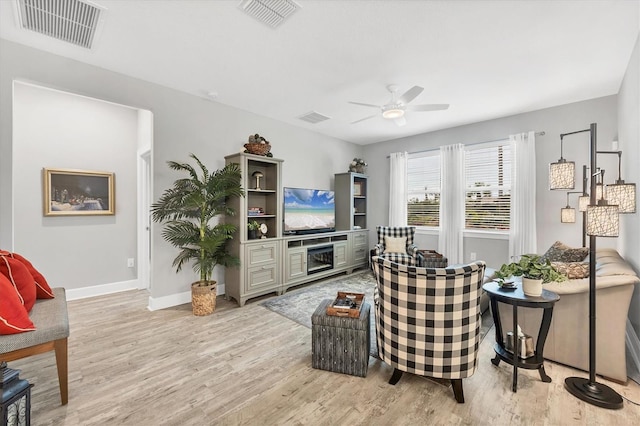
x: 358, y: 189
x: 69, y: 192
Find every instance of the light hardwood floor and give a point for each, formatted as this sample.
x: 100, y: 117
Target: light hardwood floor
x: 129, y: 366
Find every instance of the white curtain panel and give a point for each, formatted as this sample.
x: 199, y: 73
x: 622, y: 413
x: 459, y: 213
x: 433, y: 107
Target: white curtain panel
x: 522, y: 232
x: 452, y: 202
x: 398, y: 189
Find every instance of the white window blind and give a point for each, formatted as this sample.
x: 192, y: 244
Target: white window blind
x: 488, y: 186
x: 423, y: 189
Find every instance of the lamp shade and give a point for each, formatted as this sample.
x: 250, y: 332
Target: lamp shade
x: 624, y: 195
x: 562, y: 174
x: 568, y: 215
x: 603, y: 221
x: 583, y: 202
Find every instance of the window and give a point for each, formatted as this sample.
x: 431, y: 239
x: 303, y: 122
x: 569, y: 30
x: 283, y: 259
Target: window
x: 423, y: 189
x: 488, y: 186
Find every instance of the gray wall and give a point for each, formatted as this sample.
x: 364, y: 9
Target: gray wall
x: 58, y: 130
x: 182, y: 124
x: 553, y: 121
x: 629, y: 138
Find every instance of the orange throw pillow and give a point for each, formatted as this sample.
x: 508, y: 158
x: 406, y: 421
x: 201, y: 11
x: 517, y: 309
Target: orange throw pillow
x: 13, y: 316
x: 43, y: 290
x: 21, y: 279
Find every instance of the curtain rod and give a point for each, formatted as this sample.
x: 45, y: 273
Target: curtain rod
x: 468, y: 144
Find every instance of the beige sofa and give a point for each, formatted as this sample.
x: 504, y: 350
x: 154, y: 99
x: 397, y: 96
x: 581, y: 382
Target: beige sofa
x: 568, y: 339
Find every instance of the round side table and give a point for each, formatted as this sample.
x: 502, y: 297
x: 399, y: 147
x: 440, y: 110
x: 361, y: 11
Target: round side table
x: 516, y: 297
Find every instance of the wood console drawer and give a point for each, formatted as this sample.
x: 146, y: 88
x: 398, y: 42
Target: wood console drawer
x: 261, y: 253
x: 261, y: 277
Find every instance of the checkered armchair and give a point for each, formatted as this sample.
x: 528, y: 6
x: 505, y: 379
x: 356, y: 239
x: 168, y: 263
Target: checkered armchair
x: 409, y: 256
x: 428, y: 320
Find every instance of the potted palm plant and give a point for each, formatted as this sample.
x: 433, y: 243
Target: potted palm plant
x: 188, y: 210
x: 534, y: 272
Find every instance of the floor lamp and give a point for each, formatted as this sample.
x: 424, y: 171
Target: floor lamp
x: 602, y: 221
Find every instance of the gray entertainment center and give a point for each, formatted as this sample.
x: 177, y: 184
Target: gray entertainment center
x: 276, y: 261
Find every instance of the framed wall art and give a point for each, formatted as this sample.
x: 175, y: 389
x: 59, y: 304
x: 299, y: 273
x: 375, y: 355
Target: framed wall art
x: 70, y: 192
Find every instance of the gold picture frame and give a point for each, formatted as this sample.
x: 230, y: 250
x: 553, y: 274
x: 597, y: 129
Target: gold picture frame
x: 69, y: 192
x: 358, y: 189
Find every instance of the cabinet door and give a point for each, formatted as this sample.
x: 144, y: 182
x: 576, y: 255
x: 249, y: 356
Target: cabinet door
x: 296, y: 266
x: 360, y: 245
x: 261, y: 253
x: 340, y: 257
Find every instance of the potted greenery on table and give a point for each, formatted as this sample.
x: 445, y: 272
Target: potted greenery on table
x: 534, y: 272
x: 187, y: 210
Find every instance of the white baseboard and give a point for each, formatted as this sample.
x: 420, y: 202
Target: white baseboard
x: 101, y: 290
x: 163, y: 302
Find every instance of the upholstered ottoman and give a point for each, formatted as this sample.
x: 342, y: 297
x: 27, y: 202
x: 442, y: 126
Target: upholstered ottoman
x: 340, y: 344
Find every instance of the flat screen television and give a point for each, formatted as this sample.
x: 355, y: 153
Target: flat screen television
x: 308, y: 211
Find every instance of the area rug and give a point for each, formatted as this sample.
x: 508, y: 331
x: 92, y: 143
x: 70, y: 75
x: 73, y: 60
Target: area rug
x: 298, y: 304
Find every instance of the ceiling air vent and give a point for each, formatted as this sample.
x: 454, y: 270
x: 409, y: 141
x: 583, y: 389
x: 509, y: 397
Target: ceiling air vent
x: 73, y: 21
x: 313, y: 117
x: 271, y: 12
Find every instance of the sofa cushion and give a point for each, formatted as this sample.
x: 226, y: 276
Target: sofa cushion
x: 21, y: 279
x: 13, y: 316
x: 560, y: 252
x: 43, y: 290
x: 572, y: 270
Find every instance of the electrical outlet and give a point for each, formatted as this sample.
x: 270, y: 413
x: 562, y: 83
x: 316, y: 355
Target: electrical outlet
x: 473, y: 255
x: 131, y: 262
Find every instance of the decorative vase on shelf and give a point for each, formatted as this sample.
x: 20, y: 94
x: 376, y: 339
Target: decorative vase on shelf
x: 532, y: 287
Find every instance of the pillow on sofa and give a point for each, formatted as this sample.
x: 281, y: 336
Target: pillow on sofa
x: 560, y: 252
x: 573, y: 270
x: 21, y: 279
x: 43, y: 290
x: 13, y: 316
x: 395, y: 245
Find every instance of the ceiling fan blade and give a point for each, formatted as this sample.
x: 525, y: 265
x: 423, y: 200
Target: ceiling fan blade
x: 400, y: 121
x: 367, y: 105
x: 410, y: 94
x: 427, y: 107
x: 362, y: 119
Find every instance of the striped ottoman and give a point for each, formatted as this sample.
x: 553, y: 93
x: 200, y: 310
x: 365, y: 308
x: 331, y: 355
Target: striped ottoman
x: 340, y: 344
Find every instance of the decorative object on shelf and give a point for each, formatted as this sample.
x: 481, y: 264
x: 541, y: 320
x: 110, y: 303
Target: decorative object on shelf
x: 253, y: 227
x: 255, y: 211
x: 258, y: 145
x: 257, y: 175
x: 358, y: 189
x: 358, y: 165
x: 69, y: 192
x: 186, y: 209
x: 534, y: 273
x: 15, y: 398
x: 264, y: 230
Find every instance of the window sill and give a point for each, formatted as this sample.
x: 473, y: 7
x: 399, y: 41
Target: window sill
x: 489, y: 235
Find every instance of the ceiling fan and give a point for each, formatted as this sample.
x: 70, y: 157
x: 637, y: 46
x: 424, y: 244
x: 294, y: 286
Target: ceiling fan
x: 395, y: 109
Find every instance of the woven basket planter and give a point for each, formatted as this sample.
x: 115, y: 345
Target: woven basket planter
x: 257, y: 148
x: 203, y: 297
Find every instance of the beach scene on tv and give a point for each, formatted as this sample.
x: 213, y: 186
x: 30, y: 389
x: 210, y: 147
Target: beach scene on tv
x: 308, y: 209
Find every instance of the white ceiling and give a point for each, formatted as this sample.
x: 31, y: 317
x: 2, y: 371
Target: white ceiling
x: 487, y: 59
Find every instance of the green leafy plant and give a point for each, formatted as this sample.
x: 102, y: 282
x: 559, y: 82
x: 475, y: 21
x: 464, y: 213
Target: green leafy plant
x: 530, y: 266
x: 253, y: 225
x: 188, y: 208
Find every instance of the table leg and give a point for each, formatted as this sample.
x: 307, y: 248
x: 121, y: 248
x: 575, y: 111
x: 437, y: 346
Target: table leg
x: 515, y: 348
x: 542, y: 337
x: 496, y: 321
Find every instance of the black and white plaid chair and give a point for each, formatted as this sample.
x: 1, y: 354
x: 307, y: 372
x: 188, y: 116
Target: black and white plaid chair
x: 409, y: 254
x: 428, y: 320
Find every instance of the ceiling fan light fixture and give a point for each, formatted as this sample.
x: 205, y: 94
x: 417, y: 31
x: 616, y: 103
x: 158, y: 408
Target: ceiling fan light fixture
x: 393, y: 113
